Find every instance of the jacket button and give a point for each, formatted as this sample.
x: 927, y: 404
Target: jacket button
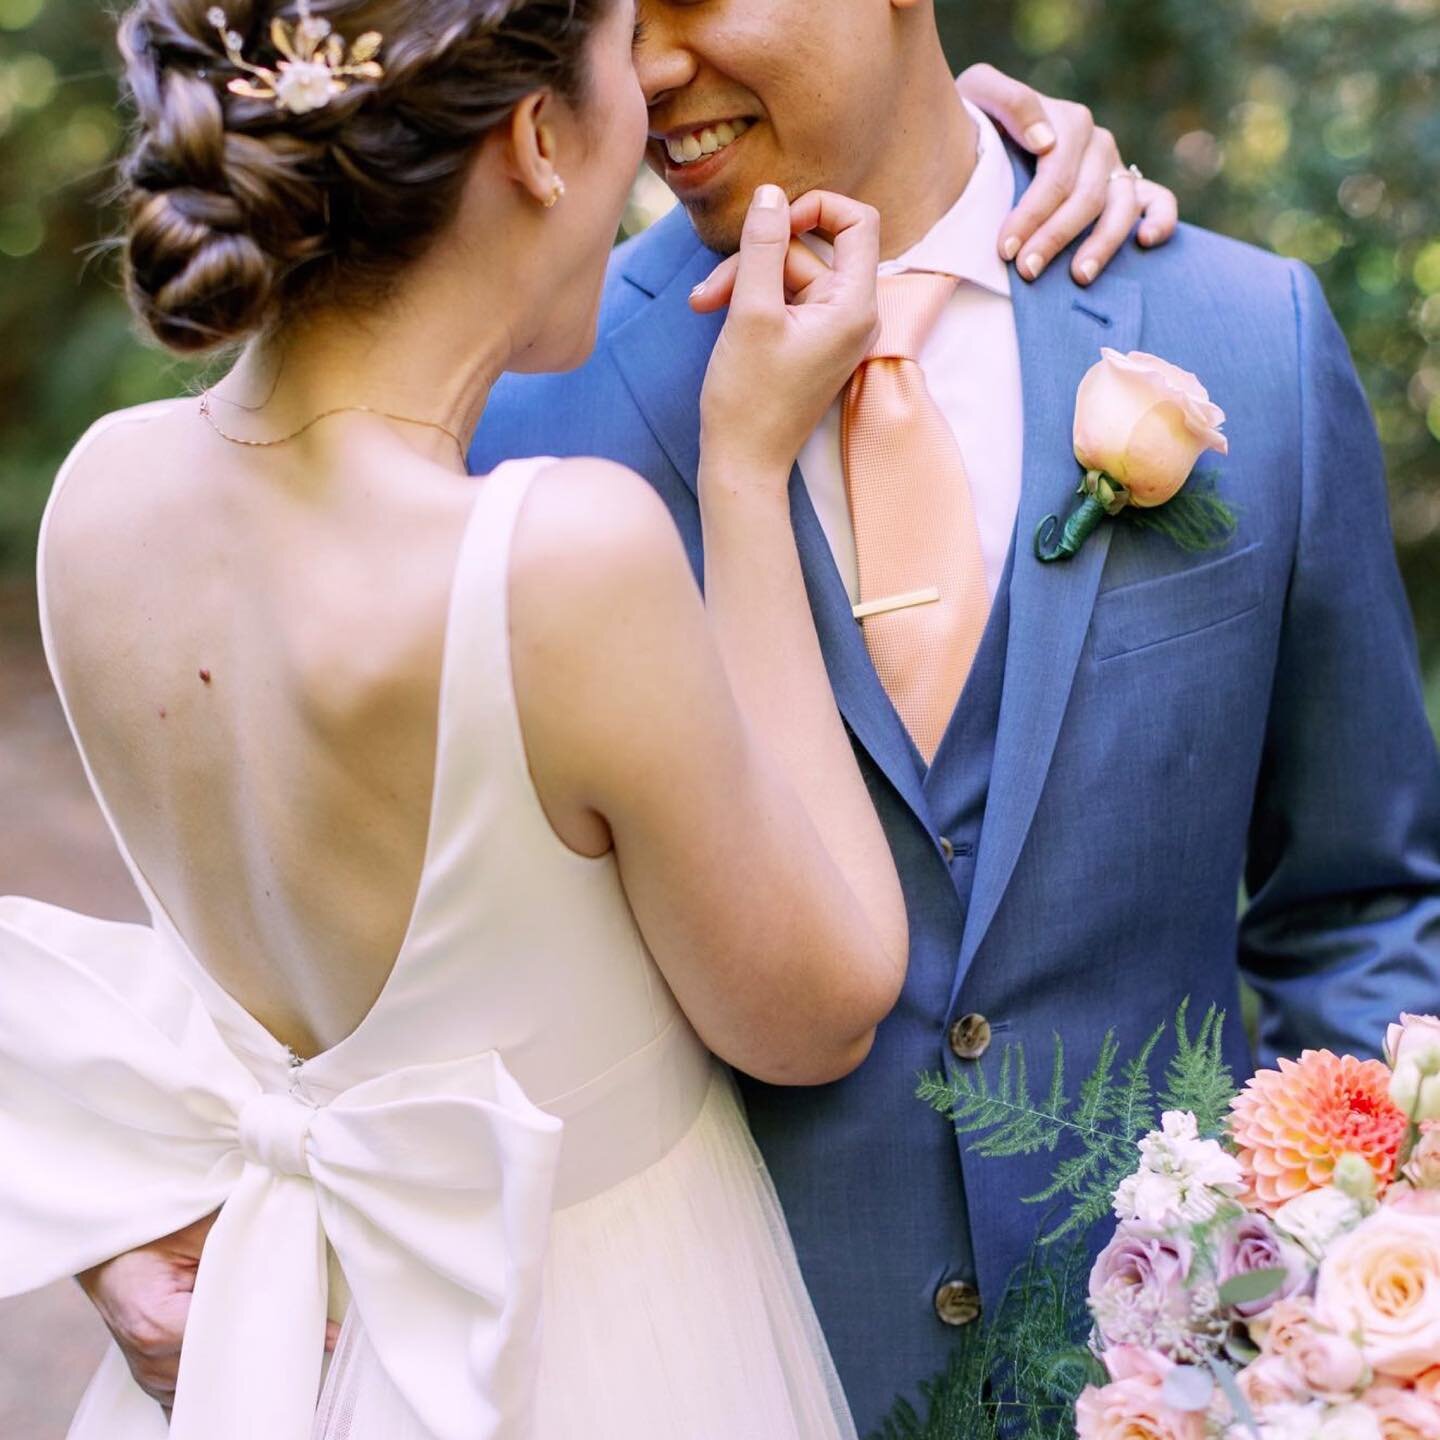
x: 970, y: 1037
x: 957, y: 1303
x: 947, y: 849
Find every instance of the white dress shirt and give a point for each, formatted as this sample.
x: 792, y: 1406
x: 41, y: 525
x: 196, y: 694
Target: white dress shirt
x: 971, y: 364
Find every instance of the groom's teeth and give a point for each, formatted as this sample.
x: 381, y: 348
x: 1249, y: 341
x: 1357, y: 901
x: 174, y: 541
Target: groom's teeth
x: 709, y: 141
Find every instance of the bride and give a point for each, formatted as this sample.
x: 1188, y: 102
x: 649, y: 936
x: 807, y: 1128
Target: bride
x: 473, y: 841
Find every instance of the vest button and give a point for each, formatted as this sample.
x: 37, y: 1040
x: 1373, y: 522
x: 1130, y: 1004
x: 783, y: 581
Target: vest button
x: 970, y: 1037
x: 947, y: 849
x: 957, y: 1303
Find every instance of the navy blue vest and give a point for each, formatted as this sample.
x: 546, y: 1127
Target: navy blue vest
x: 799, y: 1129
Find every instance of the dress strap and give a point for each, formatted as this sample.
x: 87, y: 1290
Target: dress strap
x: 484, y: 788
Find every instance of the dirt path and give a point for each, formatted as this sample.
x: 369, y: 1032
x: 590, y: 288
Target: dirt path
x: 54, y: 846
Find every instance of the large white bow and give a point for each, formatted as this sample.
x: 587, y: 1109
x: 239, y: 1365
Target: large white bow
x: 124, y: 1116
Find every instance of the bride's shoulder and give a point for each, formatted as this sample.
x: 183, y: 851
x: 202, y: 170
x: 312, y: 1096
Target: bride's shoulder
x: 120, y: 432
x: 591, y: 534
x: 97, y: 490
x: 592, y: 514
x: 115, y: 444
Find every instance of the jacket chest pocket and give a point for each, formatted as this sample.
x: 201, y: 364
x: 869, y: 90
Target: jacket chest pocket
x: 1172, y: 607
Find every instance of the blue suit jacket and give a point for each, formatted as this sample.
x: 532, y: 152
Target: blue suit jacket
x: 1171, y: 727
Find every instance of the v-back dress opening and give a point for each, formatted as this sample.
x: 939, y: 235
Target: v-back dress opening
x: 522, y: 1182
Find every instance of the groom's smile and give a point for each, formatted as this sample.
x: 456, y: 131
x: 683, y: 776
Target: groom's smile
x: 846, y: 103
x: 691, y: 156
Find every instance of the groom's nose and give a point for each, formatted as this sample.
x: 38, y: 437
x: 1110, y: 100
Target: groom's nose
x: 664, y: 61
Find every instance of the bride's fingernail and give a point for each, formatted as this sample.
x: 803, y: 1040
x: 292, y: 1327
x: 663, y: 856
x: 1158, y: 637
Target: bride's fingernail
x: 769, y: 197
x: 699, y: 289
x: 1011, y: 248
x: 1039, y: 136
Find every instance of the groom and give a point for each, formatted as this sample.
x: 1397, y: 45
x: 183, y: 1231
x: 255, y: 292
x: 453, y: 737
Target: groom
x: 1131, y: 736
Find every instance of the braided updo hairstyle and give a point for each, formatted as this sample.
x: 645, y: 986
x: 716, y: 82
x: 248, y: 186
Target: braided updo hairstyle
x: 241, y: 211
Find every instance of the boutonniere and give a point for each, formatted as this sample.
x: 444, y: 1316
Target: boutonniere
x: 1141, y: 424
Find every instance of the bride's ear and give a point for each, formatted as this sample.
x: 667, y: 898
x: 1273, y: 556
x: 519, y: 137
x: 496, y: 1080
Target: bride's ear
x: 533, y: 146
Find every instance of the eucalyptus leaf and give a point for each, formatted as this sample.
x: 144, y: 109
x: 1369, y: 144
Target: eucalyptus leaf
x: 1240, y: 1348
x: 1253, y: 1285
x: 1225, y: 1378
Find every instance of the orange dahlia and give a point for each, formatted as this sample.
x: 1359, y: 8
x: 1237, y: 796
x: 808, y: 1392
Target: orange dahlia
x: 1291, y: 1125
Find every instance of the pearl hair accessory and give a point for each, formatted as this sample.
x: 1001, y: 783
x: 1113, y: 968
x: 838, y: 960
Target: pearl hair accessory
x: 316, y: 65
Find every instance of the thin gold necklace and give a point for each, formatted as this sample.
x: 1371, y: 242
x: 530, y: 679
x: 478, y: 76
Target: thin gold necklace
x: 210, y: 420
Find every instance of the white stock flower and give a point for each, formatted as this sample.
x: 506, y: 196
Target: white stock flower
x: 1181, y: 1179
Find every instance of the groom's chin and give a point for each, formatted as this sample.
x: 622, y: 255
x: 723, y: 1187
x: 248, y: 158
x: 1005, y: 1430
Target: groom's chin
x: 717, y: 223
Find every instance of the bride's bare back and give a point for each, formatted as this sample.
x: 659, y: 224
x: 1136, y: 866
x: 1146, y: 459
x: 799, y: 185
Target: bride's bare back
x: 251, y: 648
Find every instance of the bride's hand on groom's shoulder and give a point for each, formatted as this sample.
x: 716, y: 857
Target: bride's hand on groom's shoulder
x: 1081, y: 180
x: 797, y: 328
x: 143, y: 1297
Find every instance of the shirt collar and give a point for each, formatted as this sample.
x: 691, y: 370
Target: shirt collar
x: 964, y: 242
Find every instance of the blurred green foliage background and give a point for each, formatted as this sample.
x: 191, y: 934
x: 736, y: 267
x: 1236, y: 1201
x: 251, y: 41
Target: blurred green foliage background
x: 1311, y: 127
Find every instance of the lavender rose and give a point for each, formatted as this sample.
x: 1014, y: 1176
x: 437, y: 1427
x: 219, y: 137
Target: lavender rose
x: 1252, y: 1243
x: 1142, y: 1293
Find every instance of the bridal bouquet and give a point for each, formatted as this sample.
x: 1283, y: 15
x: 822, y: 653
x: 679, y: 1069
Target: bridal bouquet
x: 1275, y: 1270
x: 1282, y: 1280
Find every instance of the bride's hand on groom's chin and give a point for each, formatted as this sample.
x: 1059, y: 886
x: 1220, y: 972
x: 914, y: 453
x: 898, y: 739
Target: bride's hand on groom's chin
x: 143, y: 1297
x: 796, y: 329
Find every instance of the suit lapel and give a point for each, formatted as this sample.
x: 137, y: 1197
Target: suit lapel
x: 663, y: 354
x: 1061, y: 331
x: 664, y: 350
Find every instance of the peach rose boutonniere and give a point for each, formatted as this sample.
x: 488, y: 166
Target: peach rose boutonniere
x: 1141, y: 425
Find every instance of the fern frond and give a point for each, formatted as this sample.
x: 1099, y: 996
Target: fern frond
x: 1197, y: 1078
x: 1017, y: 1374
x: 1115, y: 1107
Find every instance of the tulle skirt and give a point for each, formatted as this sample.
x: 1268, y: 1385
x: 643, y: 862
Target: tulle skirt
x: 674, y: 1310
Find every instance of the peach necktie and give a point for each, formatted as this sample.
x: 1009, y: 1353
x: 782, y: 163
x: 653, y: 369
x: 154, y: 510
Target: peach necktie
x: 923, y: 597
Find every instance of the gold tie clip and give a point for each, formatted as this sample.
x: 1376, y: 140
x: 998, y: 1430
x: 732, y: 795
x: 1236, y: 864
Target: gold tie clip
x: 895, y: 602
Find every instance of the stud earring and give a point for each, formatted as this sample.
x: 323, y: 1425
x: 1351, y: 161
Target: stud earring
x: 556, y: 192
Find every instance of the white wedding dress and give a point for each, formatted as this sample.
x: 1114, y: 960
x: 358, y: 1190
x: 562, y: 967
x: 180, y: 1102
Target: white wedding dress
x: 522, y: 1181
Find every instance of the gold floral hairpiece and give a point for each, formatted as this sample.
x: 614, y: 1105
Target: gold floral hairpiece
x: 316, y: 66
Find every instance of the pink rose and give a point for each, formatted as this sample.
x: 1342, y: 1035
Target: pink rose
x: 1422, y: 1169
x: 1404, y: 1414
x: 1327, y: 1364
x: 1272, y: 1380
x: 1145, y: 422
x: 1413, y: 1202
x: 1331, y: 1365
x: 1381, y: 1283
x: 1132, y: 1362
x: 1287, y: 1324
x: 1131, y: 1407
